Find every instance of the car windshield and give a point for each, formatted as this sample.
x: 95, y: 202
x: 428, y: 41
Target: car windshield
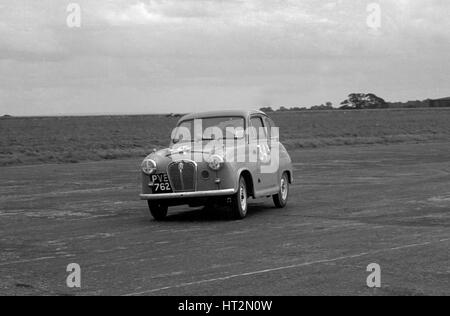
x: 211, y: 128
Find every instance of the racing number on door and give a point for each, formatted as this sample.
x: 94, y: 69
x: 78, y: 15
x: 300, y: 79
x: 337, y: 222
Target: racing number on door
x: 264, y: 153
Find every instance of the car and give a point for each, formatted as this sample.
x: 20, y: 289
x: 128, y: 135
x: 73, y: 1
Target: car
x: 220, y: 157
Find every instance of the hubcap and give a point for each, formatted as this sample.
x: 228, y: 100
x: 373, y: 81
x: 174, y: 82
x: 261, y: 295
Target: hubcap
x: 243, y: 198
x: 284, y: 188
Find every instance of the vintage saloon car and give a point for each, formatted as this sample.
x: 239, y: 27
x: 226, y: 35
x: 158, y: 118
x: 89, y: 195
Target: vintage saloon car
x: 218, y: 157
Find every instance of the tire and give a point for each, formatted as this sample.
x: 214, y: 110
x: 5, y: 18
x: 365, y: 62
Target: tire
x: 281, y: 198
x: 158, y: 210
x: 239, y: 205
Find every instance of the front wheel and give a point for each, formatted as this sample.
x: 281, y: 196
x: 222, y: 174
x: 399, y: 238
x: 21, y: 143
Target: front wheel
x: 281, y: 198
x: 158, y: 210
x: 239, y: 203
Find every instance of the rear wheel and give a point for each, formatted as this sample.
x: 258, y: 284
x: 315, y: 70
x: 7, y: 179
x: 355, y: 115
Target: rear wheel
x: 281, y: 198
x: 158, y: 210
x: 239, y: 205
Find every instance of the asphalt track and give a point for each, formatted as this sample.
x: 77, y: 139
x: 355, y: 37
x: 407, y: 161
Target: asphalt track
x: 349, y: 207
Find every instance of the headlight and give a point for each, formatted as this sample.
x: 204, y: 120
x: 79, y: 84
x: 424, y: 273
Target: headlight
x: 148, y: 166
x: 215, y: 162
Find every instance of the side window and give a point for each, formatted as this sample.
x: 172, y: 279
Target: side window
x: 268, y: 124
x: 257, y: 131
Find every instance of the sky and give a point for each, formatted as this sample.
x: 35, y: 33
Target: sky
x: 162, y: 56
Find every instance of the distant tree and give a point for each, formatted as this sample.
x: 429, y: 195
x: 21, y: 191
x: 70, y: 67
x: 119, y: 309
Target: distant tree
x: 322, y: 107
x: 359, y: 101
x: 283, y: 109
x: 266, y: 109
x: 410, y: 104
x: 375, y: 102
x: 175, y: 115
x: 296, y: 109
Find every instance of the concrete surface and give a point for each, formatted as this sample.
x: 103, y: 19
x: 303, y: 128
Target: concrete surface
x: 349, y: 207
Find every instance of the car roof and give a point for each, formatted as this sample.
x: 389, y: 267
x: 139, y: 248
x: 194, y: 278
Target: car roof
x: 243, y: 113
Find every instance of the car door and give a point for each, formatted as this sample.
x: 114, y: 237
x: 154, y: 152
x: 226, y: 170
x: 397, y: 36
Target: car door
x: 265, y: 183
x: 273, y: 141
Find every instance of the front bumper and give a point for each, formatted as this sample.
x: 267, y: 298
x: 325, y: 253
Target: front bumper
x: 183, y: 195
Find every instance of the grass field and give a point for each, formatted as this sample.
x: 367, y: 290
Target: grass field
x: 76, y: 139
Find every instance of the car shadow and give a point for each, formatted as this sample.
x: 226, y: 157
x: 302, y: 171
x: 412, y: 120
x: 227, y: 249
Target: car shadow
x: 216, y: 213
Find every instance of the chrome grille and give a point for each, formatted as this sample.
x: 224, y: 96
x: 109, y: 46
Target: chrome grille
x: 182, y: 175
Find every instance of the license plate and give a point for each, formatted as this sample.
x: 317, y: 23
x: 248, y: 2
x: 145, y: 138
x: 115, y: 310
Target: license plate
x: 161, y: 184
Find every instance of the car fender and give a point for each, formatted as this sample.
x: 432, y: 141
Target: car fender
x: 248, y: 173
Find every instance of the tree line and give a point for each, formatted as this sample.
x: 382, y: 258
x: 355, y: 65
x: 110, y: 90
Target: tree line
x: 357, y: 101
